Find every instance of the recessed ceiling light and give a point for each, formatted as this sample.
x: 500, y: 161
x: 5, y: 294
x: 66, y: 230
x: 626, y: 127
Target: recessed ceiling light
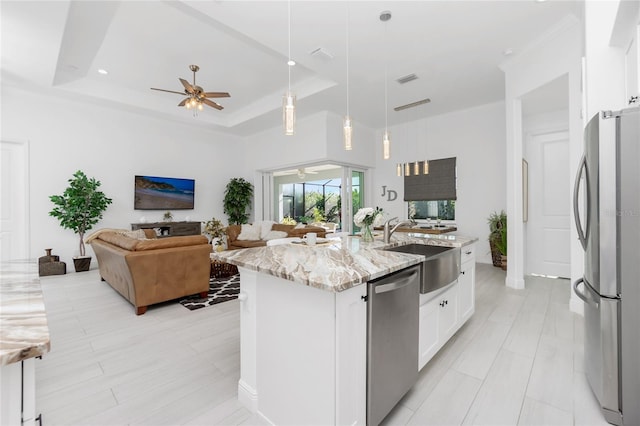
x: 103, y: 71
x: 540, y: 1
x: 291, y: 62
x: 507, y: 52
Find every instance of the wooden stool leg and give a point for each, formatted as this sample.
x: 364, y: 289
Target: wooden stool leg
x: 203, y: 294
x: 141, y: 310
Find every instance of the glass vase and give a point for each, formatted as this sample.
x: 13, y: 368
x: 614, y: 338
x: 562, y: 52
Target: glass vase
x: 367, y: 235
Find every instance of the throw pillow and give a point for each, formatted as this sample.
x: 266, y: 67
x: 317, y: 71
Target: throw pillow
x: 249, y: 233
x: 265, y: 228
x: 272, y: 235
x: 138, y: 234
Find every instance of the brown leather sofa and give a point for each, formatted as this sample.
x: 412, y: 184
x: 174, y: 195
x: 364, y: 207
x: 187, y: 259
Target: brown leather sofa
x: 234, y: 243
x: 149, y: 271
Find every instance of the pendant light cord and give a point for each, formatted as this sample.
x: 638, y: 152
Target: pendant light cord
x: 347, y: 59
x: 289, y: 42
x: 386, y: 66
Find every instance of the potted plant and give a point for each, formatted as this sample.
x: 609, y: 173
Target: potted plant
x: 497, y: 221
x: 237, y: 198
x: 215, y: 229
x: 167, y: 216
x: 79, y: 208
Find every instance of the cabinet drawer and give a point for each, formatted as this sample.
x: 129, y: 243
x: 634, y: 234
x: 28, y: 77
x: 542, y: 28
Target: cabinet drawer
x: 187, y: 228
x: 467, y: 253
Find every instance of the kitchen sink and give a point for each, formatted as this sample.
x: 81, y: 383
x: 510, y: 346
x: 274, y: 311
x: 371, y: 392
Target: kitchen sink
x: 440, y: 268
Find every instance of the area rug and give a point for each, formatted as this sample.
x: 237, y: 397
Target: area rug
x: 220, y: 290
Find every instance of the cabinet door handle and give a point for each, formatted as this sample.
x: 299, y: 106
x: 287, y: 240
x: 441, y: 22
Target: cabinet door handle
x: 467, y: 252
x: 442, y: 304
x: 462, y: 272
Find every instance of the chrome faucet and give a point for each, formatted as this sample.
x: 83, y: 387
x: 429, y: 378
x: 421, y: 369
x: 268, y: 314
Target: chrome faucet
x: 389, y: 231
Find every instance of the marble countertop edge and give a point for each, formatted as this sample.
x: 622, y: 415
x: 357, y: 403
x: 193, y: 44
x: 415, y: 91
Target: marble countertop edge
x: 345, y: 264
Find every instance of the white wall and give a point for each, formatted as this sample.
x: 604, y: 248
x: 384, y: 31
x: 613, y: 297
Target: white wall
x: 476, y: 136
x: 112, y: 146
x: 556, y: 53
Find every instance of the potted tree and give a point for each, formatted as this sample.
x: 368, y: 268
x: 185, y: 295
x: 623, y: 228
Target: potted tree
x: 497, y: 221
x: 78, y: 209
x: 237, y: 198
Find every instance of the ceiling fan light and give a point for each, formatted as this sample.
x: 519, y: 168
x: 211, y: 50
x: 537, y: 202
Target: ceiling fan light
x: 200, y: 107
x: 399, y: 169
x: 289, y: 113
x: 416, y: 168
x: 426, y: 167
x: 348, y: 132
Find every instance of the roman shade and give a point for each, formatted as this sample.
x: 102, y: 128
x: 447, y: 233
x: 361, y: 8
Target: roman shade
x: 439, y: 184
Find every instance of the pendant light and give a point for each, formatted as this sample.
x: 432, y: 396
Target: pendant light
x: 289, y: 98
x: 347, y: 127
x: 386, y: 142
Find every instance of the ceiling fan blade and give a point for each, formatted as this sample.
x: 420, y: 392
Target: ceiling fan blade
x: 212, y: 104
x: 188, y: 87
x: 216, y: 95
x: 184, y: 102
x: 170, y: 91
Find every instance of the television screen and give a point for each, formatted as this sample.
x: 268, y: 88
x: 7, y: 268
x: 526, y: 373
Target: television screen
x: 162, y: 193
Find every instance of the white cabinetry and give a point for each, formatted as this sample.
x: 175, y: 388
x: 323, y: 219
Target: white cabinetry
x: 303, y: 352
x: 443, y: 312
x: 466, y: 284
x: 17, y: 393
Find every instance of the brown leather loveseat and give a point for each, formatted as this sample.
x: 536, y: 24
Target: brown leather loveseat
x: 233, y: 231
x: 148, y: 271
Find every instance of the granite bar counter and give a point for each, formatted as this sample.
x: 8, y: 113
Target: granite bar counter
x: 339, y: 264
x: 24, y: 335
x: 303, y: 323
x: 24, y: 332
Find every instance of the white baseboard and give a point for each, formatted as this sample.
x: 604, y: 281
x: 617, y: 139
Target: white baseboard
x: 247, y: 396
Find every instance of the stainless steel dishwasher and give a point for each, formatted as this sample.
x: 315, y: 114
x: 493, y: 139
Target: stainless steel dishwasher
x: 393, y: 309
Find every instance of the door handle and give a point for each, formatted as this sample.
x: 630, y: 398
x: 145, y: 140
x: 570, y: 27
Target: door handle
x: 582, y: 235
x: 397, y: 284
x: 582, y: 296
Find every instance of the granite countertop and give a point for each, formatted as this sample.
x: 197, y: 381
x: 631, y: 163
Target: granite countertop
x: 24, y: 332
x: 340, y: 264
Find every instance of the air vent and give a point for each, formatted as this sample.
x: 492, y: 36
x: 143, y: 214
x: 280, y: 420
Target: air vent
x: 407, y: 78
x: 322, y: 53
x: 412, y: 104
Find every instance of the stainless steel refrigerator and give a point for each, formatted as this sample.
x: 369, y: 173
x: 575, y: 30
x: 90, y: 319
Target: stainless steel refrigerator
x: 607, y: 216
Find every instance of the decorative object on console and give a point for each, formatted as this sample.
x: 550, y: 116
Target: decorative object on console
x: 51, y: 265
x: 287, y: 220
x: 78, y: 209
x: 167, y: 216
x: 160, y: 193
x: 237, y: 198
x: 196, y: 96
x: 366, y: 218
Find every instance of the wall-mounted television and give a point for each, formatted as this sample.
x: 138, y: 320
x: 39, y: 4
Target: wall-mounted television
x: 163, y: 193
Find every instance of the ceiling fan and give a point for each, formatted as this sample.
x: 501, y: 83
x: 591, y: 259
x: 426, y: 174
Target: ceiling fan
x: 196, y: 96
x: 301, y: 172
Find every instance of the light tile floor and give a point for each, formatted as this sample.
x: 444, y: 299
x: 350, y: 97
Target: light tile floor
x: 518, y: 360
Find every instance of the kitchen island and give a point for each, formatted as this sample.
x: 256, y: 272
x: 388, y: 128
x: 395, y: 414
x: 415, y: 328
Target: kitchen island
x: 303, y: 323
x: 24, y: 335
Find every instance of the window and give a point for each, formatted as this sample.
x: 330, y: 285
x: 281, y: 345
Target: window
x: 440, y: 209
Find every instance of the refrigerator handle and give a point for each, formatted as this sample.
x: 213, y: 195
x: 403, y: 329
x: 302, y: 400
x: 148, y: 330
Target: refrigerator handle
x: 582, y: 296
x: 582, y: 235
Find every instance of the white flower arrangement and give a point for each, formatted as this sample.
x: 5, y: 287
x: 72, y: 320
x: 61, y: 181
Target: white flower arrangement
x: 368, y: 216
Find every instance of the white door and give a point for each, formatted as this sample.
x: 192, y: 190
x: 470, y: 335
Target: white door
x: 548, y: 239
x: 14, y: 201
